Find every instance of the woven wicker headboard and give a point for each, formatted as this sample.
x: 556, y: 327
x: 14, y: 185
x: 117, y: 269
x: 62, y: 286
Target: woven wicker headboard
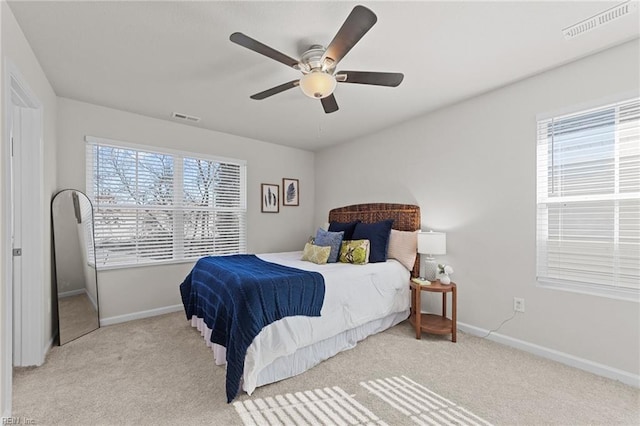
x: 406, y: 217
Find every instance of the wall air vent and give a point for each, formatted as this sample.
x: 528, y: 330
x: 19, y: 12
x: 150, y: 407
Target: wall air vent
x: 185, y: 117
x: 600, y: 19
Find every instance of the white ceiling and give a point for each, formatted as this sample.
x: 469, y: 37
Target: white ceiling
x: 156, y: 57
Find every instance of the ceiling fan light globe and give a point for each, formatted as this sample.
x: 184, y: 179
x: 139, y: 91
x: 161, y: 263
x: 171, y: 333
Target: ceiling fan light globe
x: 318, y: 84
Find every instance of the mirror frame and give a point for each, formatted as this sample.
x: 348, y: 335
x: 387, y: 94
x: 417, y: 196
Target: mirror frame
x: 55, y: 267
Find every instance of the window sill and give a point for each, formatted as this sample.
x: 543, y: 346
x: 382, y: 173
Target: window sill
x: 147, y: 264
x: 627, y: 294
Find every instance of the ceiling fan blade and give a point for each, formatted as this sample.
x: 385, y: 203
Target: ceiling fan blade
x: 275, y: 90
x: 391, y: 79
x: 329, y: 104
x: 359, y: 21
x: 263, y: 49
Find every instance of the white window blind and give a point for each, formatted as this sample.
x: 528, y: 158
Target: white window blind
x: 154, y: 206
x: 588, y: 198
x: 86, y: 215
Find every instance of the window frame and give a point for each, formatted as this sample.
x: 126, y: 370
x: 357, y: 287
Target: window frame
x: 175, y: 154
x: 609, y: 291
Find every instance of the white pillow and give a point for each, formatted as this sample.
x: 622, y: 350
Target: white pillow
x: 403, y: 246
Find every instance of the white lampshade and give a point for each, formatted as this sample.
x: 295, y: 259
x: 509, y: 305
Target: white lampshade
x: 317, y: 84
x: 432, y: 243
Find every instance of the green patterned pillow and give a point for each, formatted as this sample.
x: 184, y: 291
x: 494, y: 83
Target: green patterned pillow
x: 355, y: 251
x: 316, y: 254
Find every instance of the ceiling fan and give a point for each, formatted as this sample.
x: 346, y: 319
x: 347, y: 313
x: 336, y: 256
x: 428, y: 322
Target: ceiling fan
x: 318, y: 64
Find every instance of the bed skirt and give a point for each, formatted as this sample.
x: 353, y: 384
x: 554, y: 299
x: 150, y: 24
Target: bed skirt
x: 303, y: 358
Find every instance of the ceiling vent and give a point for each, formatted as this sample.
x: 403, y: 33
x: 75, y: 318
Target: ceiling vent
x: 185, y: 117
x: 600, y: 19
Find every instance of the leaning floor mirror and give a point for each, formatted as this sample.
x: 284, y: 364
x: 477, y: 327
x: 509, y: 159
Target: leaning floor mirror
x: 76, y: 283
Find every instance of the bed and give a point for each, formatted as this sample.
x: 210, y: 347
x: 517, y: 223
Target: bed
x: 359, y: 300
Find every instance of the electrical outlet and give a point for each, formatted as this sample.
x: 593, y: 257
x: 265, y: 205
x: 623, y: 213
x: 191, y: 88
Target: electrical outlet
x: 518, y: 304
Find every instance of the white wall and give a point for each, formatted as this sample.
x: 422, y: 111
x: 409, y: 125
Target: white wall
x: 471, y: 168
x: 16, y: 49
x: 124, y: 292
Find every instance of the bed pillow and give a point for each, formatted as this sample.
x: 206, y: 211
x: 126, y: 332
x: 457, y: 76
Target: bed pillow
x: 403, y: 246
x: 331, y: 239
x: 355, y: 251
x: 378, y: 235
x: 346, y: 227
x: 316, y: 254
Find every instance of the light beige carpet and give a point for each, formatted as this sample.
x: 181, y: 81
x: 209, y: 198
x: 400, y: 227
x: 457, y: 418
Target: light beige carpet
x: 159, y: 371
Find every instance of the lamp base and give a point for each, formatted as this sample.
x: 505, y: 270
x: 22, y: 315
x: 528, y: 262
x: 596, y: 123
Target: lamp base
x: 430, y: 269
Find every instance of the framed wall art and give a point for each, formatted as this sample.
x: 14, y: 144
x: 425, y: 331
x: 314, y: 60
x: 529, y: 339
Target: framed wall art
x: 270, y: 194
x: 290, y: 192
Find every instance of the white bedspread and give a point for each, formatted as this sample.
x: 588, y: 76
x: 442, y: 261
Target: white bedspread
x: 354, y: 295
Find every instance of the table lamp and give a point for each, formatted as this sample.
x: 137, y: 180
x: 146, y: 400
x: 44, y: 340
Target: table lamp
x: 430, y: 243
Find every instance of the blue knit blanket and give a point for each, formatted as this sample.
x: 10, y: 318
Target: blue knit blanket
x: 238, y: 295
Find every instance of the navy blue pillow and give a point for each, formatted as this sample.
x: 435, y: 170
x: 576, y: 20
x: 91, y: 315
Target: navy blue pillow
x: 331, y: 239
x: 378, y: 236
x: 346, y: 227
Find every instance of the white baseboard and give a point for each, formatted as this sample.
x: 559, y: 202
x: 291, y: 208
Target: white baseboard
x: 71, y: 293
x: 564, y: 358
x: 139, y: 315
x: 47, y: 348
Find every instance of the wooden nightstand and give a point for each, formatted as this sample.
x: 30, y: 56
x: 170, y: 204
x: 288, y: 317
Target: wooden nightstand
x: 430, y: 323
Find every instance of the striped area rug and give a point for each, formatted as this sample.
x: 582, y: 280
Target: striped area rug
x: 421, y: 405
x: 334, y: 406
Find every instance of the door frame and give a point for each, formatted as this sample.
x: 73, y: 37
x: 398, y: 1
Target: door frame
x: 32, y: 306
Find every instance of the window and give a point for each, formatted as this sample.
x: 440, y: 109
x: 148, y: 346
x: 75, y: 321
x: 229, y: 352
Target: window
x: 588, y: 198
x: 84, y: 214
x: 153, y: 206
